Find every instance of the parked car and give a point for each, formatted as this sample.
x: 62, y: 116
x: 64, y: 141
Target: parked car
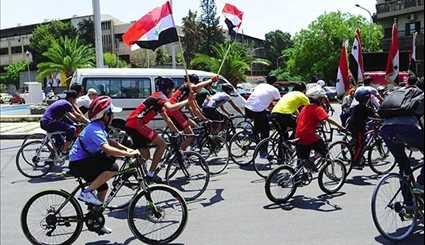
x: 16, y: 99
x: 287, y: 86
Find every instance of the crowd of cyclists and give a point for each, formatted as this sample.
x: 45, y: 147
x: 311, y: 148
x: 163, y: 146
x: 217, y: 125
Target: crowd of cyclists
x: 296, y: 116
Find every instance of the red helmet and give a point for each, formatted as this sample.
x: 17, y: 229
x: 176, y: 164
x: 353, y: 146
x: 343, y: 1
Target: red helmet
x: 100, y: 106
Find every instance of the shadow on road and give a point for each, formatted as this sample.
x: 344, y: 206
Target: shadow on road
x: 416, y: 238
x: 126, y: 242
x: 362, y: 180
x: 321, y: 203
x: 218, y: 197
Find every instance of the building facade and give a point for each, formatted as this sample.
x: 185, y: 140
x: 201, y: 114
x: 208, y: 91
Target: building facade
x: 409, y: 15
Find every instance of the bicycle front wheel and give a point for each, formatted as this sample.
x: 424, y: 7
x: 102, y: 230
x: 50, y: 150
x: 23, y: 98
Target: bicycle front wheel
x: 280, y: 184
x: 43, y: 224
x: 342, y: 151
x: 387, y: 209
x: 157, y: 216
x: 380, y: 160
x: 190, y: 175
x: 32, y: 159
x: 332, y: 176
x: 241, y: 148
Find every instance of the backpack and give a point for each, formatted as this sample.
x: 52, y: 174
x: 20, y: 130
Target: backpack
x: 403, y: 102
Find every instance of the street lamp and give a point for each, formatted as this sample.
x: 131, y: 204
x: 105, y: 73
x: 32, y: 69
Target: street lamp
x: 28, y: 55
x: 365, y: 9
x: 253, y: 54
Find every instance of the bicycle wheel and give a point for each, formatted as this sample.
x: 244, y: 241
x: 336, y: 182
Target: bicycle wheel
x: 241, y: 148
x: 387, y: 205
x: 33, y: 136
x: 332, y: 176
x: 32, y: 159
x: 342, y: 151
x: 277, y: 154
x: 125, y: 188
x: 158, y: 216
x: 191, y: 177
x: 280, y: 184
x: 380, y: 160
x: 212, y: 150
x: 41, y: 225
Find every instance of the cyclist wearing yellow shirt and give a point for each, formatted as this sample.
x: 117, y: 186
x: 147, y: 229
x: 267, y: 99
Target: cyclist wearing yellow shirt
x: 285, y: 111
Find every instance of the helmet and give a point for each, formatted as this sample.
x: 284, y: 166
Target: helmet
x: 193, y: 78
x: 71, y: 94
x: 363, y: 94
x: 270, y: 79
x: 316, y: 93
x: 321, y: 83
x: 164, y: 84
x: 100, y: 106
x: 77, y: 87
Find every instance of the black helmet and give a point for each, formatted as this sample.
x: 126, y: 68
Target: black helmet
x: 164, y: 84
x: 77, y: 88
x: 193, y: 78
x: 227, y: 89
x: 71, y: 94
x: 270, y: 79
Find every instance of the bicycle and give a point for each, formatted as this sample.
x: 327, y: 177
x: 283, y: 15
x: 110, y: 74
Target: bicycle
x: 155, y: 209
x: 283, y: 181
x: 379, y: 158
x: 388, y: 211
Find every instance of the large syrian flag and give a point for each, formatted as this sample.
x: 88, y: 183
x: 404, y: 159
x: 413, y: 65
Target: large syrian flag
x: 412, y: 60
x: 357, y: 67
x: 393, y: 61
x: 153, y: 30
x: 343, y: 77
x: 233, y: 18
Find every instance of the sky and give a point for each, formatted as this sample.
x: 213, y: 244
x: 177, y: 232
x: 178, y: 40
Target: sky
x: 260, y: 16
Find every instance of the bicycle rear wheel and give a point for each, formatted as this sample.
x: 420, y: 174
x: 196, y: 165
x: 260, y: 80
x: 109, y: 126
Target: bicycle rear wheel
x: 191, y: 177
x: 32, y: 159
x: 157, y: 216
x: 342, y: 151
x: 280, y: 184
x: 387, y: 205
x: 241, y: 148
x: 332, y: 176
x: 41, y: 225
x: 380, y: 160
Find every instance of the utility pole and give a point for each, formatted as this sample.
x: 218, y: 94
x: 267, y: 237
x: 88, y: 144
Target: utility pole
x: 173, y: 45
x: 98, y: 34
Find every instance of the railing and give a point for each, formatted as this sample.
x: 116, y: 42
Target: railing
x: 398, y: 5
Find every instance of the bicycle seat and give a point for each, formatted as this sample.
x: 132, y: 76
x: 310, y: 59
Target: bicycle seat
x: 55, y: 133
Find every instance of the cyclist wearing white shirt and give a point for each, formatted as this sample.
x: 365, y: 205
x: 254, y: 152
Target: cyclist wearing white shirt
x: 218, y: 100
x: 84, y: 102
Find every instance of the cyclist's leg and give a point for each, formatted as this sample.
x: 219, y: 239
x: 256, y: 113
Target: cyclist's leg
x: 264, y: 127
x: 359, y: 144
x: 142, y: 137
x: 256, y: 123
x: 188, y: 140
x: 182, y: 123
x: 160, y: 147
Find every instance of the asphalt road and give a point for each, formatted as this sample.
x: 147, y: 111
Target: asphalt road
x: 234, y: 210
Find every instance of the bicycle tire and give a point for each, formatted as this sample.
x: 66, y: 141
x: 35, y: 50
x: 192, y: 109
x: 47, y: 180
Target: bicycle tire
x: 375, y: 218
x: 45, y: 168
x: 215, y: 167
x: 241, y: 141
x: 341, y: 150
x: 124, y: 196
x: 324, y: 171
x: 379, y: 144
x: 33, y: 136
x: 74, y: 203
x: 180, y: 203
x: 180, y: 177
x: 274, y: 177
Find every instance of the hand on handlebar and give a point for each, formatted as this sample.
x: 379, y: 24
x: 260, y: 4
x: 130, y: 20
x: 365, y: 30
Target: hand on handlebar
x: 134, y: 153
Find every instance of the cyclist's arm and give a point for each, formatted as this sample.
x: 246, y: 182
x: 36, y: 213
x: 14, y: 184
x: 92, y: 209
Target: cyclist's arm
x: 176, y: 106
x: 205, y: 83
x: 236, y: 107
x: 116, y: 152
x: 194, y: 108
x: 119, y: 145
x: 224, y: 110
x: 169, y: 122
x: 79, y: 115
x: 335, y: 123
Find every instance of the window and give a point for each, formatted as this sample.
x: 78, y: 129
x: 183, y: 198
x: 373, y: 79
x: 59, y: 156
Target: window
x: 16, y: 50
x: 120, y: 88
x: 412, y: 28
x: 4, y: 51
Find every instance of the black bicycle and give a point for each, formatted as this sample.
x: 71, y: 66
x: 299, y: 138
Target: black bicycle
x: 156, y: 215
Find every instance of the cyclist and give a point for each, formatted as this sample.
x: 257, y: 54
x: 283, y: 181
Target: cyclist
x: 218, y: 100
x: 346, y: 106
x: 138, y: 120
x: 403, y: 129
x: 55, y: 119
x: 308, y: 120
x: 80, y: 93
x: 285, y: 111
x: 263, y: 96
x: 92, y: 155
x: 84, y: 101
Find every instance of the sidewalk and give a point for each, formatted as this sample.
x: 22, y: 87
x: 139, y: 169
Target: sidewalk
x: 18, y: 130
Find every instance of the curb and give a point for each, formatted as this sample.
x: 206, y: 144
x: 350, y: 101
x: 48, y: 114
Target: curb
x: 20, y: 118
x: 15, y: 137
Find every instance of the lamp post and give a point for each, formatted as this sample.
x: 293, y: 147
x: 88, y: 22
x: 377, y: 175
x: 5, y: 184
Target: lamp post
x: 98, y: 33
x: 367, y: 10
x: 28, y: 55
x: 253, y: 54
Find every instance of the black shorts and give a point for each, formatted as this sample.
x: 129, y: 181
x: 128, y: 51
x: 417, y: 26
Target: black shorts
x: 284, y: 121
x: 90, y: 168
x: 303, y: 151
x: 139, y: 140
x: 213, y: 114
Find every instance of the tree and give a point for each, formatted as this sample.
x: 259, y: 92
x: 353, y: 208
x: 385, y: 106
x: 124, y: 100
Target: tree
x: 211, y: 32
x: 236, y: 65
x: 44, y: 35
x: 86, y: 31
x: 113, y: 61
x: 276, y: 42
x: 65, y: 56
x: 162, y: 57
x: 316, y: 49
x: 142, y: 58
x: 12, y: 72
x: 192, y: 39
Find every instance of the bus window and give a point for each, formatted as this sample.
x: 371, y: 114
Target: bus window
x: 120, y: 88
x: 101, y: 85
x: 178, y: 81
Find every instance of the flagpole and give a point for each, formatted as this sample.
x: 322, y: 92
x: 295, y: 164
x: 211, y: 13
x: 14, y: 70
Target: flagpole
x: 225, y: 57
x: 180, y: 42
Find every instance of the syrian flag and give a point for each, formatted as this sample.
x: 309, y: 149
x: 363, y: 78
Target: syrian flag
x: 233, y: 18
x: 153, y: 30
x: 357, y: 68
x: 393, y: 61
x: 343, y: 77
x: 412, y: 60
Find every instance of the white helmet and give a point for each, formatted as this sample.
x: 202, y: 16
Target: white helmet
x: 316, y: 92
x: 321, y: 83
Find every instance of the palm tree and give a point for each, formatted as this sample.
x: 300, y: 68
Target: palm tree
x: 65, y: 56
x: 236, y: 66
x: 113, y: 61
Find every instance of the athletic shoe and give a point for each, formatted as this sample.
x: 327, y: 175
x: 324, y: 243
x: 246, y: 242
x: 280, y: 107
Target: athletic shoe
x: 264, y: 155
x: 89, y: 197
x: 104, y: 230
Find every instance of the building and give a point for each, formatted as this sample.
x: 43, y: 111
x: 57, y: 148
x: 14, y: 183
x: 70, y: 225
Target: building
x: 409, y: 15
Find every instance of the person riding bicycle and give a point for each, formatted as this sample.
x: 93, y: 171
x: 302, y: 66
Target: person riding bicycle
x: 284, y: 113
x: 55, y: 119
x: 92, y: 156
x: 80, y: 93
x: 308, y: 121
x: 138, y: 120
x: 84, y: 101
x: 346, y: 106
x: 218, y: 100
x: 403, y: 126
x: 263, y: 96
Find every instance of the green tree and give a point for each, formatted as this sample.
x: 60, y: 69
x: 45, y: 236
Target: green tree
x: 192, y: 39
x: 316, y: 49
x: 11, y: 75
x: 162, y: 57
x: 275, y: 43
x: 211, y: 32
x: 45, y: 34
x: 235, y: 67
x: 65, y: 56
x: 86, y: 31
x: 113, y: 61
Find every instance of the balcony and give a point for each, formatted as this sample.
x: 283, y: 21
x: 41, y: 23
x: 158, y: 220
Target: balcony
x: 399, y: 7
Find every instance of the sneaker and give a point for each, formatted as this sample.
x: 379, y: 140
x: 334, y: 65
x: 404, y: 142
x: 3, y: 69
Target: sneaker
x: 264, y: 155
x: 89, y: 197
x: 104, y: 230
x: 154, y: 179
